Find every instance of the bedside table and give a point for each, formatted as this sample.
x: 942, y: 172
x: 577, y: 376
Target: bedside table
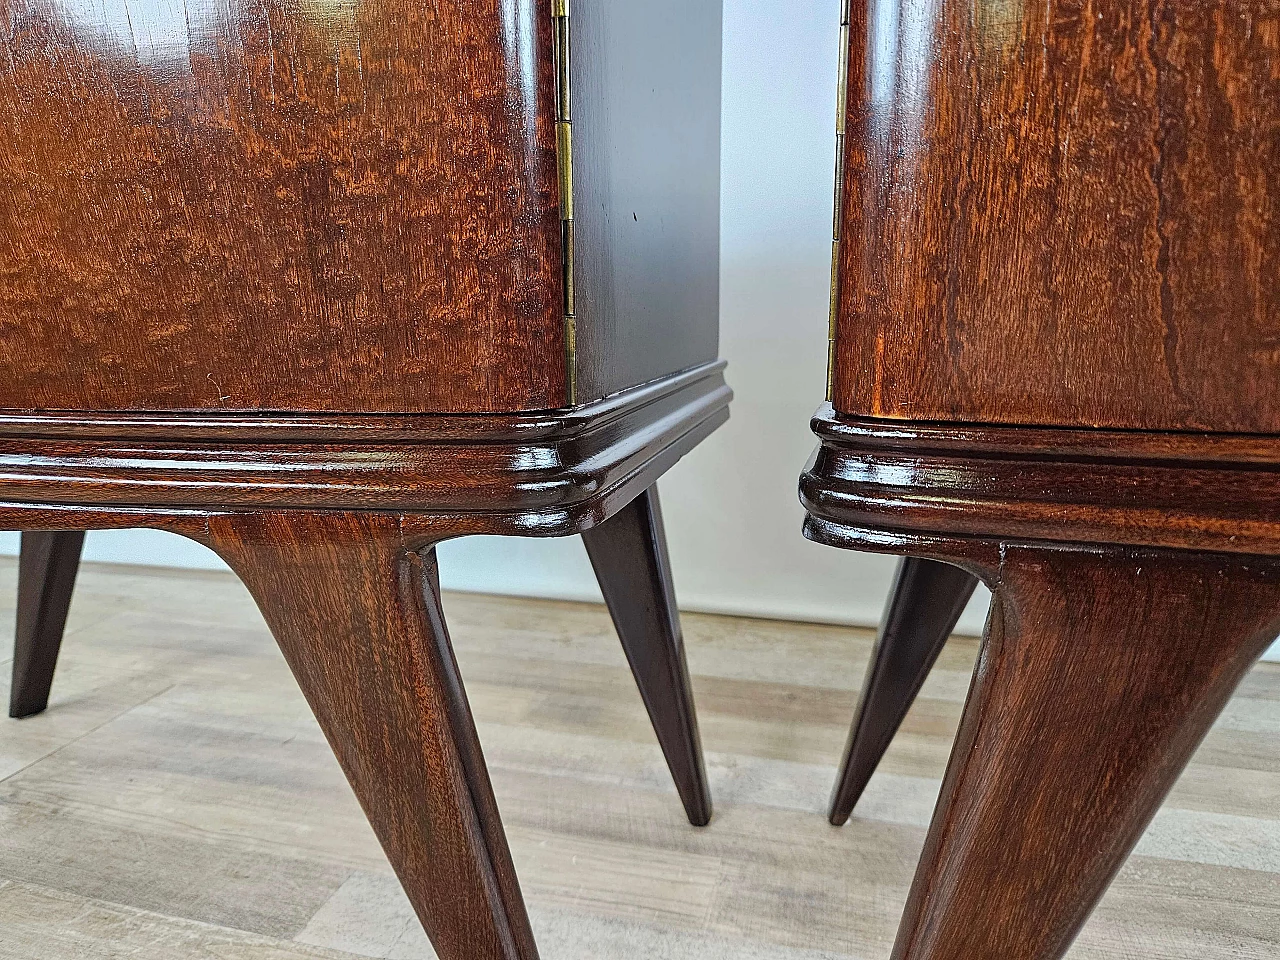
x: 323, y: 285
x: 1055, y: 368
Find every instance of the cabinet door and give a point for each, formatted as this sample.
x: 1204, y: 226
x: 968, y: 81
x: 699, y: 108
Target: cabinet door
x: 1062, y: 213
x: 327, y: 205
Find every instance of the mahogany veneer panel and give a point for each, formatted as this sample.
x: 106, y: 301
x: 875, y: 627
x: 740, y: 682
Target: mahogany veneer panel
x: 1062, y: 213
x: 350, y: 206
x: 323, y: 206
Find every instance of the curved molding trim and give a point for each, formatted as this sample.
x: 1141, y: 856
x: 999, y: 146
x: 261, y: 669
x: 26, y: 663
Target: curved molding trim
x: 543, y: 473
x: 883, y: 485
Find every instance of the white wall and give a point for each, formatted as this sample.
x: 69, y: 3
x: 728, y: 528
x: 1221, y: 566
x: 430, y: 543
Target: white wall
x: 733, y: 519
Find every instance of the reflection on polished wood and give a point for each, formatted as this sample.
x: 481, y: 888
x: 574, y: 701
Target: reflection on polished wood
x: 360, y: 197
x: 177, y: 745
x: 1056, y: 366
x: 1062, y: 213
x: 296, y: 280
x: 350, y: 205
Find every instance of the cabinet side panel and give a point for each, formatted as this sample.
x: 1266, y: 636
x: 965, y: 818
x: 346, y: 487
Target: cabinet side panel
x: 272, y: 204
x: 1062, y: 213
x: 645, y: 84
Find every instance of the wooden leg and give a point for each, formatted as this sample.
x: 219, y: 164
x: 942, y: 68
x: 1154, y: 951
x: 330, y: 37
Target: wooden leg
x: 927, y: 600
x: 1100, y: 673
x: 629, y: 553
x: 357, y: 614
x: 46, y: 579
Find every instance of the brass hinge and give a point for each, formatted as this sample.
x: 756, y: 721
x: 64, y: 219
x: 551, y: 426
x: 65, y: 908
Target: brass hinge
x: 842, y: 102
x: 564, y: 163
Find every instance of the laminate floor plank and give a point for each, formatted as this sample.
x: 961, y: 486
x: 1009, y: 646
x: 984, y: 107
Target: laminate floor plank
x: 178, y: 801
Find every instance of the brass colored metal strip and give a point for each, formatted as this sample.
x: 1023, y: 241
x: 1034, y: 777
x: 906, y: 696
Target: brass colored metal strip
x: 564, y: 162
x: 842, y: 104
x: 564, y: 106
x: 564, y: 154
x: 566, y: 245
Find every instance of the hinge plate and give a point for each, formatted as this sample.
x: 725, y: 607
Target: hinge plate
x: 564, y: 163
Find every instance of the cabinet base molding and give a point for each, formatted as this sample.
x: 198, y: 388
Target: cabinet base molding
x: 332, y: 524
x: 542, y: 474
x: 1135, y: 580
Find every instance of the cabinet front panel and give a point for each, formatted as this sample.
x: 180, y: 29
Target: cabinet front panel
x: 279, y: 204
x: 1063, y: 212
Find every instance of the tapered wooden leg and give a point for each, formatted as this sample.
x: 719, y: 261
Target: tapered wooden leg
x: 927, y: 599
x: 46, y: 578
x: 629, y: 553
x: 357, y: 614
x: 1099, y: 674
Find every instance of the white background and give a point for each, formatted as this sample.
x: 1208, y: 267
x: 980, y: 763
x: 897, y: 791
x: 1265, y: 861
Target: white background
x: 733, y: 520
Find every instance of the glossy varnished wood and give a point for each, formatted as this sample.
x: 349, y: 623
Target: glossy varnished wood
x: 331, y: 521
x: 925, y: 602
x: 275, y: 206
x: 355, y: 607
x: 629, y: 554
x: 353, y: 209
x: 1115, y: 638
x: 1100, y: 672
x: 293, y: 280
x: 46, y: 579
x: 1062, y: 213
x: 545, y: 474
x: 877, y: 481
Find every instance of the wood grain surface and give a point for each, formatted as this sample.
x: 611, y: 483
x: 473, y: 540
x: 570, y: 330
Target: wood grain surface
x: 321, y: 206
x: 1100, y: 672
x: 532, y: 474
x: 881, y: 484
x: 356, y: 611
x: 1062, y: 213
x: 1136, y: 578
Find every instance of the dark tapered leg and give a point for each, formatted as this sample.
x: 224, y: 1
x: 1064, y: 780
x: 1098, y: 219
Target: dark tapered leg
x: 927, y: 600
x: 358, y: 617
x: 46, y: 579
x: 1100, y: 673
x: 629, y: 553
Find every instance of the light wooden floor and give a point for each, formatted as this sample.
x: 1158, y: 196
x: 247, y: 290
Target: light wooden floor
x: 177, y: 801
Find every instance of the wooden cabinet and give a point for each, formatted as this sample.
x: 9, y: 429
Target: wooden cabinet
x: 1055, y: 368
x: 321, y: 285
x: 1064, y: 216
x: 377, y: 206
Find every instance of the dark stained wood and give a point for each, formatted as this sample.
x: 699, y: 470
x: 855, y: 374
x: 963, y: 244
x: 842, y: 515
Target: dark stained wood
x: 289, y: 280
x: 1062, y: 213
x: 356, y: 610
x: 1057, y: 366
x: 646, y: 182
x: 629, y: 554
x: 261, y: 207
x: 253, y: 206
x: 926, y: 600
x: 544, y: 474
x: 46, y: 578
x: 879, y: 482
x: 1100, y: 672
x: 1113, y: 643
x: 351, y: 592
